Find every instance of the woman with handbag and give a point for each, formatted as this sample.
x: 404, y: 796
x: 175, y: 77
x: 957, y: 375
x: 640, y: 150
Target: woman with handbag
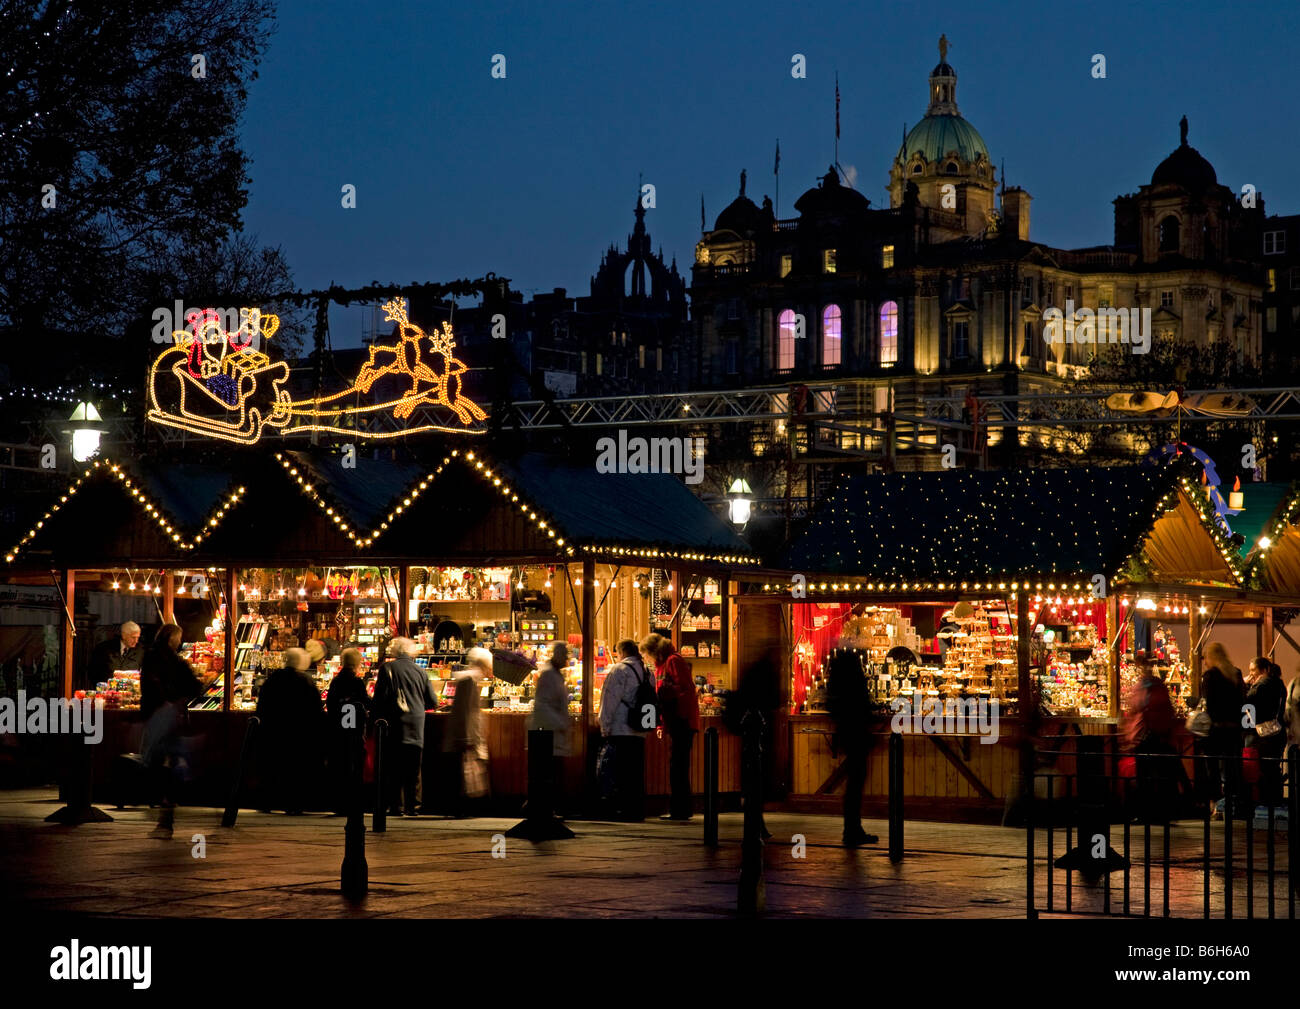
x: 1267, y: 694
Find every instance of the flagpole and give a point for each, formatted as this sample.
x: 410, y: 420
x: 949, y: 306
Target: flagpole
x: 837, y: 120
x: 776, y: 170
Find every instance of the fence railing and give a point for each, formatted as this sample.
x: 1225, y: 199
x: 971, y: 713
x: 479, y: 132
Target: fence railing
x: 1244, y: 869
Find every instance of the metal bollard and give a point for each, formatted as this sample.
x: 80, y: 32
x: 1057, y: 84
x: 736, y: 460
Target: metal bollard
x: 752, y: 897
x: 379, y: 821
x: 711, y: 787
x: 354, y: 876
x: 540, y: 824
x: 895, y: 797
x: 78, y: 788
x: 232, y: 807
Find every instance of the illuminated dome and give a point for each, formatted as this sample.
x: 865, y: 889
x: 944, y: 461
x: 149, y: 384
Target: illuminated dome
x: 937, y: 136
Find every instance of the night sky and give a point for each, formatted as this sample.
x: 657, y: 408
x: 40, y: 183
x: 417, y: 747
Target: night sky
x: 533, y: 176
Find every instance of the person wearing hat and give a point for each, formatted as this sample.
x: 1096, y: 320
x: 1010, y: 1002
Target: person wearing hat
x: 289, y: 708
x: 463, y: 743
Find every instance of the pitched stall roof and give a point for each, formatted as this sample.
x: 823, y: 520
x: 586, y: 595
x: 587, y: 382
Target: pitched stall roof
x: 303, y: 503
x: 1277, y: 567
x: 927, y: 529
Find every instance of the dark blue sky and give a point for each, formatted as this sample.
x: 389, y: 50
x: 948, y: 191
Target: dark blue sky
x: 533, y: 176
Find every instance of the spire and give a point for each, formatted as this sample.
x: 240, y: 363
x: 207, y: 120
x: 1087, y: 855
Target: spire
x: 1182, y: 131
x: 943, y: 85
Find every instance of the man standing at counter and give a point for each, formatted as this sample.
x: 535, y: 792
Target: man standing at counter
x: 122, y: 651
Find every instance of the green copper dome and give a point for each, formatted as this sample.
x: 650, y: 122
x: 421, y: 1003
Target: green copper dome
x: 935, y: 136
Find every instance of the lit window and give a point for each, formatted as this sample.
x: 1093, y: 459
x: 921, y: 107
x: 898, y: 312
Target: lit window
x: 1105, y: 295
x: 887, y: 257
x: 787, y: 264
x: 1274, y: 242
x: 599, y: 364
x: 1272, y: 280
x: 828, y: 261
x: 889, y: 333
x: 640, y: 356
x: 831, y: 335
x: 1166, y: 299
x: 785, y: 340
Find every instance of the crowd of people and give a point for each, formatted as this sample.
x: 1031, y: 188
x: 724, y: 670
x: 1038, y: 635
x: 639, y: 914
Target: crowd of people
x: 1240, y: 728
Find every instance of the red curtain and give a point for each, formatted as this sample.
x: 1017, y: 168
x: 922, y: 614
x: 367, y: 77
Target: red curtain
x: 816, y: 627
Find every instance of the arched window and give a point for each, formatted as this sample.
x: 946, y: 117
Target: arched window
x: 785, y: 340
x: 917, y: 168
x: 1169, y: 234
x: 889, y: 333
x: 831, y: 342
x: 951, y: 168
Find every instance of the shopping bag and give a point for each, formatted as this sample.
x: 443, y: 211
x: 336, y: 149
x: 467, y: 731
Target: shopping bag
x: 1249, y: 765
x: 1128, y: 767
x: 474, y: 774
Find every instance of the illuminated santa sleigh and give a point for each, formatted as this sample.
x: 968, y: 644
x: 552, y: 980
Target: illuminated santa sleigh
x: 211, y: 381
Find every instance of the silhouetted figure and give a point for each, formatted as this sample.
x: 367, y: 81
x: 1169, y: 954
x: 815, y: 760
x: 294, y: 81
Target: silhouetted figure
x: 289, y: 707
x: 850, y: 709
x: 551, y: 712
x: 750, y: 714
x: 403, y: 694
x: 1224, y: 691
x: 167, y: 685
x: 1149, y: 734
x: 346, y: 704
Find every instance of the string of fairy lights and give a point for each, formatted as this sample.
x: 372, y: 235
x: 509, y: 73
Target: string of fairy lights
x: 169, y: 526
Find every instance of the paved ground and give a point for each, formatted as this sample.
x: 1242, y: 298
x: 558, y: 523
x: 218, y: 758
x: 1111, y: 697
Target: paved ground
x: 273, y: 866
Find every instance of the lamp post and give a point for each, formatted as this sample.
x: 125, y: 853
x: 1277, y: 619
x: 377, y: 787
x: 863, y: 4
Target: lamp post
x: 87, y: 427
x: 740, y: 501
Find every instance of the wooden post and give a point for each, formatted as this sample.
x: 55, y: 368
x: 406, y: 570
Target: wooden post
x: 1112, y: 660
x: 69, y: 631
x: 1269, y: 635
x: 403, y: 607
x: 1024, y: 680
x: 232, y: 614
x: 588, y: 666
x: 169, y: 598
x: 1194, y: 660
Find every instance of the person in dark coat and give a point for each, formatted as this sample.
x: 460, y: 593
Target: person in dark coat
x: 751, y: 708
x: 346, y: 705
x: 850, y: 710
x: 1224, y: 691
x: 402, y: 695
x: 289, y: 707
x: 1267, y: 693
x: 121, y: 651
x: 1149, y: 731
x: 167, y: 686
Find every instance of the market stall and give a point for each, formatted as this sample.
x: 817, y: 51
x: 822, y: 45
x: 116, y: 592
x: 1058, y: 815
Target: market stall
x: 454, y: 551
x: 961, y: 591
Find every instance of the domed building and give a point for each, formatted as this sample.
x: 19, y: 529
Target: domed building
x: 945, y: 158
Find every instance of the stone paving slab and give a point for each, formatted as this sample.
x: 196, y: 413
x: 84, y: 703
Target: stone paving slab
x: 274, y: 866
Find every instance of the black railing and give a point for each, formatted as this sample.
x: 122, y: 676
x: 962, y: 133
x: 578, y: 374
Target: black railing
x: 1152, y: 793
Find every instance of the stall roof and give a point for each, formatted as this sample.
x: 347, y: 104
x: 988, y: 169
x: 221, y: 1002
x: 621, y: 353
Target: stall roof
x: 1262, y: 501
x: 1277, y: 568
x: 954, y: 525
x: 164, y: 509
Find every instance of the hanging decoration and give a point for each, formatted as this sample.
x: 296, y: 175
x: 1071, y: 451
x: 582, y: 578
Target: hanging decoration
x: 212, y: 382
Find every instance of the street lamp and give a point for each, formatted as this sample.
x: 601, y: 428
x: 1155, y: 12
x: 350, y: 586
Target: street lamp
x: 87, y: 427
x: 739, y: 494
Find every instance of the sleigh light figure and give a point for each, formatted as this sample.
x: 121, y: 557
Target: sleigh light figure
x: 435, y: 382
x: 212, y: 382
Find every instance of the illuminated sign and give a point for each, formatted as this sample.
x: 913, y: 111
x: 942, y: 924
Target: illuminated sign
x: 212, y: 381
